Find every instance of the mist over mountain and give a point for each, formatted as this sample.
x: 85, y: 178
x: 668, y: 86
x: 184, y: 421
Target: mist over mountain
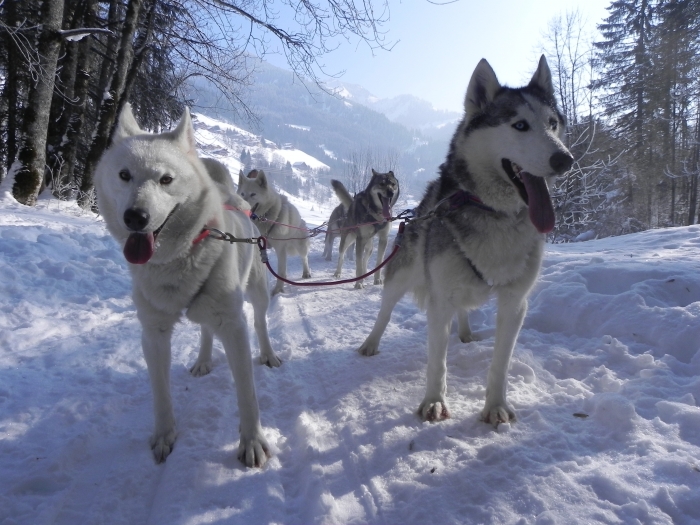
x: 408, y: 110
x: 333, y: 127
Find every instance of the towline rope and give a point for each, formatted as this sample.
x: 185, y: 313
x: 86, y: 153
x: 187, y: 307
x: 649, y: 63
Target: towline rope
x: 262, y: 245
x: 456, y: 200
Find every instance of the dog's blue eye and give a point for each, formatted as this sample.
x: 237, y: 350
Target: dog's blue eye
x: 125, y: 175
x: 166, y: 179
x: 521, y: 125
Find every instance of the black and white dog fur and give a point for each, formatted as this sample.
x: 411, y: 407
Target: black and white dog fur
x: 368, y: 214
x: 492, y: 211
x: 335, y: 225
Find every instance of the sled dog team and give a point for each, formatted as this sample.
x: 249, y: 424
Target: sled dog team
x: 478, y: 232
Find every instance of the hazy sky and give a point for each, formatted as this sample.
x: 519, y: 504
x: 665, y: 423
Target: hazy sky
x: 439, y: 46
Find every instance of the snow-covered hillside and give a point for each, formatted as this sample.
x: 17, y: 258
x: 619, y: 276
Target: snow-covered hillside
x: 605, y: 380
x: 225, y: 142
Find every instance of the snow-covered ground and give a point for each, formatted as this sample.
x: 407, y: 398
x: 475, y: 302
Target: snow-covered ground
x: 605, y: 381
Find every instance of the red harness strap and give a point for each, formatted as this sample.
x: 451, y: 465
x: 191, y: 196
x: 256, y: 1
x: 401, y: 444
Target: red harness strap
x: 205, y: 232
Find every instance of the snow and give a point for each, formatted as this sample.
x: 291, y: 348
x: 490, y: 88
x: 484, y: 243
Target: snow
x: 225, y: 142
x: 605, y: 380
x: 329, y: 153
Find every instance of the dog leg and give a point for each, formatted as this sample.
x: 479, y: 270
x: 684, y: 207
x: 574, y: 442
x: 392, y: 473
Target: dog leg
x: 509, y: 319
x: 157, y: 330
x: 345, y: 241
x: 393, y: 291
x: 433, y: 407
x: 257, y: 293
x: 328, y: 248
x: 203, y: 365
x: 363, y: 249
x: 304, y: 251
x: 281, y: 268
x: 463, y: 328
x: 253, y: 449
x: 381, y: 250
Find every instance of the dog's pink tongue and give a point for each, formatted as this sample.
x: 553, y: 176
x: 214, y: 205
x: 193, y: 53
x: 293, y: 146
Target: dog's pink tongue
x: 386, y: 210
x: 539, y: 202
x: 139, y: 248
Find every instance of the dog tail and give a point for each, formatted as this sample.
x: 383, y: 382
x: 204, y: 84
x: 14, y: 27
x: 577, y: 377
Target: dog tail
x: 342, y: 193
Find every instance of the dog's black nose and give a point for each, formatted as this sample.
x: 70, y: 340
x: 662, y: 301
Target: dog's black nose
x: 561, y: 162
x: 136, y: 219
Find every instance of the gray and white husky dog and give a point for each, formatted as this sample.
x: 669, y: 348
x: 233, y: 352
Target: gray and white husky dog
x: 481, y: 228
x: 281, y: 223
x: 157, y: 197
x: 368, y: 214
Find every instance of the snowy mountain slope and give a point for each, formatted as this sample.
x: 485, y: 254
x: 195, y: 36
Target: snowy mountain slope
x: 225, y: 142
x: 329, y: 128
x: 613, y: 333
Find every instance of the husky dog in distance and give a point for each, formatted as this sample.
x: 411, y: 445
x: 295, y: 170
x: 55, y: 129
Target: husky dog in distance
x: 157, y: 198
x: 368, y: 214
x: 281, y: 223
x: 481, y: 228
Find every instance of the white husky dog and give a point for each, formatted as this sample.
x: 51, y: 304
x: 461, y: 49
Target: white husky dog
x: 481, y: 228
x: 157, y: 197
x: 281, y: 223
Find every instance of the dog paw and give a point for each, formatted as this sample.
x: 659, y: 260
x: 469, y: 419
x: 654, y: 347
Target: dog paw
x: 468, y: 338
x: 497, y: 414
x: 277, y: 290
x: 433, y: 411
x: 253, y: 451
x: 306, y: 275
x: 336, y: 275
x: 271, y: 360
x: 162, y: 445
x: 378, y: 280
x: 368, y: 349
x: 200, y: 369
x: 359, y: 285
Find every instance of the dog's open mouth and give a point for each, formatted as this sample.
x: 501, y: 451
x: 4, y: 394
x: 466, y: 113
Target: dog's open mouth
x: 386, y: 206
x: 534, y: 192
x: 140, y: 246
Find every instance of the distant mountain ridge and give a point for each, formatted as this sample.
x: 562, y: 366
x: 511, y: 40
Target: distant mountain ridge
x: 408, y: 110
x: 331, y: 128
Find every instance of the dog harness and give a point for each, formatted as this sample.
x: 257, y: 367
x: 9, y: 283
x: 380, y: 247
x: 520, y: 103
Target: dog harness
x: 207, y: 231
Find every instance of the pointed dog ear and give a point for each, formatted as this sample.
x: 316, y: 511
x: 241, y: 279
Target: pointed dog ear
x: 184, y: 134
x: 241, y: 177
x: 126, y: 125
x: 482, y: 88
x: 543, y: 78
x: 261, y: 179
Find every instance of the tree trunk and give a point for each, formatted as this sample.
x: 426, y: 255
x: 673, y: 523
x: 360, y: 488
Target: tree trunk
x: 75, y: 112
x: 62, y: 103
x: 140, y: 51
x: 110, y: 52
x: 12, y: 88
x: 108, y: 110
x: 31, y: 160
x: 695, y: 167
